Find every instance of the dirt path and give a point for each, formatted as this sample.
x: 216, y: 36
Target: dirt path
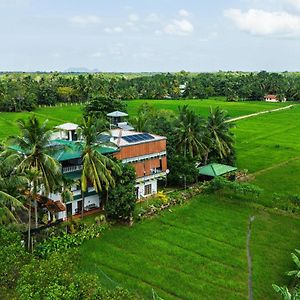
x: 249, y: 258
x: 259, y: 113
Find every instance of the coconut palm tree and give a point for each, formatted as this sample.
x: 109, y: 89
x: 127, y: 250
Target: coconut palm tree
x: 97, y: 168
x: 218, y: 133
x: 33, y: 147
x: 11, y: 185
x: 189, y: 133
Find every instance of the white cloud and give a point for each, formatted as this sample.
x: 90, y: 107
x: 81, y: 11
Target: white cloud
x: 117, y: 29
x: 179, y: 27
x: 85, y: 20
x: 265, y: 23
x: 133, y: 18
x: 295, y: 3
x: 183, y: 13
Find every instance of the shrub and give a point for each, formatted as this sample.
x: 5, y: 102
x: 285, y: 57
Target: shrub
x: 122, y: 199
x: 53, y: 279
x: 67, y: 241
x: 12, y: 256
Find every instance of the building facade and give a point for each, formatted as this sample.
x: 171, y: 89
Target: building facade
x: 146, y: 153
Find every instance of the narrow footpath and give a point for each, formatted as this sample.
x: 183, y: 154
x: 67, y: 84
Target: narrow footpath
x: 259, y: 113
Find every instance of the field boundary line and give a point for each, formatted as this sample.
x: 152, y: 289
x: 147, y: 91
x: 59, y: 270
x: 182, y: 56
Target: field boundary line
x: 145, y: 282
x: 274, y: 166
x: 199, y: 279
x: 259, y: 113
x: 203, y: 235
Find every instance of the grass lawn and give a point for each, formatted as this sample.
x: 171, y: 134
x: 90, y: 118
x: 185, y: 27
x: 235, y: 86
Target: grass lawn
x: 72, y: 113
x: 196, y: 252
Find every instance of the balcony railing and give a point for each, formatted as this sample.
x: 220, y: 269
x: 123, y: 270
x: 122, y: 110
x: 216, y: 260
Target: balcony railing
x: 70, y: 169
x: 155, y: 171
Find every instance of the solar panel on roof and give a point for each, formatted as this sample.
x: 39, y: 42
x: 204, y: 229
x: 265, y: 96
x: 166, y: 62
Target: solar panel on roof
x: 138, y: 137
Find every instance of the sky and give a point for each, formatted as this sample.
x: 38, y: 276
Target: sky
x: 150, y: 35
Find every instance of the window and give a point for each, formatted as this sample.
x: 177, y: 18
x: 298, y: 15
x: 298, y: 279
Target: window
x: 148, y: 189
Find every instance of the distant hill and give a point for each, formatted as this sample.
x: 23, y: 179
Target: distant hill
x: 80, y: 70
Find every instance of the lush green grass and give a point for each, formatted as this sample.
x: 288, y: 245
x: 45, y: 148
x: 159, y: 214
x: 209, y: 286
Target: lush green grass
x: 202, y: 107
x: 196, y: 252
x: 267, y: 140
x: 72, y: 113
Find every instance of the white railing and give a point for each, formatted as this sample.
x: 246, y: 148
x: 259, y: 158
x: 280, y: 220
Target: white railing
x: 72, y: 169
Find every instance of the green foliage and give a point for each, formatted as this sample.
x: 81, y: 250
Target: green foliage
x: 285, y: 293
x: 122, y: 198
x: 162, y: 201
x: 52, y: 279
x: 183, y: 170
x: 20, y: 92
x: 293, y: 293
x: 12, y: 257
x: 66, y: 241
x: 117, y: 294
x: 220, y: 183
x: 102, y: 105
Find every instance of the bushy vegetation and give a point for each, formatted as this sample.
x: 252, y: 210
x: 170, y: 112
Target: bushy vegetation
x: 64, y: 241
x: 122, y: 198
x: 293, y: 291
x: 19, y: 92
x: 53, y: 277
x: 13, y: 257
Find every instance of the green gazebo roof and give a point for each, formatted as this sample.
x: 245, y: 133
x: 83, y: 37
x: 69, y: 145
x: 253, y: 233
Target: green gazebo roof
x: 214, y: 169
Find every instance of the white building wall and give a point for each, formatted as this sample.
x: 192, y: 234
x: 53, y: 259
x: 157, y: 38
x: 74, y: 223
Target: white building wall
x: 141, y: 188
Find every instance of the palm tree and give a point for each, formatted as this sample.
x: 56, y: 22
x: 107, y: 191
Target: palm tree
x: 11, y: 184
x: 218, y: 132
x: 140, y: 122
x: 189, y: 133
x: 33, y: 146
x: 97, y: 168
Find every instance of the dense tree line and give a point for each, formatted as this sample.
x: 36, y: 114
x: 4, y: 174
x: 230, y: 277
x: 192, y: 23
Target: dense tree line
x: 192, y: 140
x: 25, y: 91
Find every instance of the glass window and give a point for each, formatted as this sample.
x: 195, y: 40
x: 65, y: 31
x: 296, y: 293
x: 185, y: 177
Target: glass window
x: 148, y: 189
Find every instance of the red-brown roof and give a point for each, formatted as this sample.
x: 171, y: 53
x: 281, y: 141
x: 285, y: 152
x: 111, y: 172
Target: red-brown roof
x: 271, y: 97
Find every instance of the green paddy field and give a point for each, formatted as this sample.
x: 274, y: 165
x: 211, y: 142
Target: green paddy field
x: 198, y: 250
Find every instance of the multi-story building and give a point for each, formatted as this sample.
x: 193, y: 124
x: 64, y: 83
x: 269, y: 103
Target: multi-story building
x: 146, y: 152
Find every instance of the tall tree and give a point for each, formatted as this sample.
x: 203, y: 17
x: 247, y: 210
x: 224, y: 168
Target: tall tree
x: 220, y: 136
x: 11, y: 185
x: 189, y: 133
x: 97, y: 168
x: 33, y: 146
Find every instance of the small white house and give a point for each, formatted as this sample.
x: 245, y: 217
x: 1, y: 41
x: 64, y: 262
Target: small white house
x: 273, y: 98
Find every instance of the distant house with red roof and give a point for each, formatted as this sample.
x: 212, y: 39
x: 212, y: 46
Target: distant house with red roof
x: 274, y: 98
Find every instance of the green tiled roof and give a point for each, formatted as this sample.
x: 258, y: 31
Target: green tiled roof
x: 65, y: 150
x: 214, y: 169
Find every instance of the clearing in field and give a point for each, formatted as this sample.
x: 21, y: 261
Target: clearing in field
x: 196, y: 252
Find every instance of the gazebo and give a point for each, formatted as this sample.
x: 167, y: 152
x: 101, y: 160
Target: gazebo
x: 214, y: 169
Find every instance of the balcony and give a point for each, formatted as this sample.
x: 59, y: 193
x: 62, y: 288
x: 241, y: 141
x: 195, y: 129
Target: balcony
x: 71, y: 169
